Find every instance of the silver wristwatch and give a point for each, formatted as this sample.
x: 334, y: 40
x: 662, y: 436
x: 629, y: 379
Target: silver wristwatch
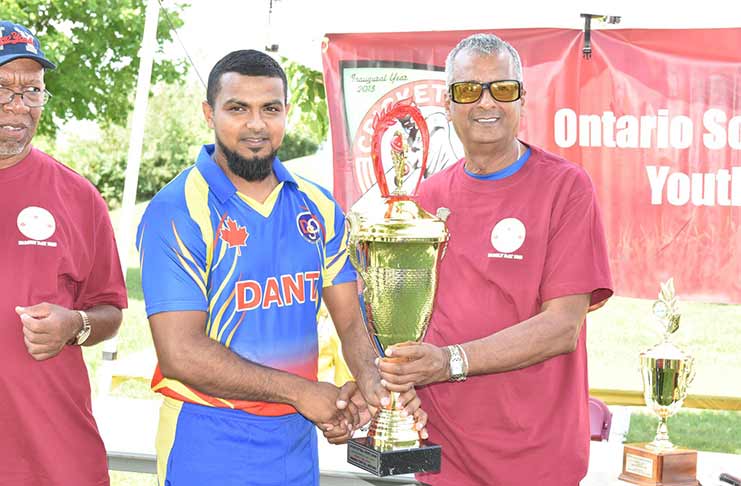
x: 84, y: 333
x: 458, y: 363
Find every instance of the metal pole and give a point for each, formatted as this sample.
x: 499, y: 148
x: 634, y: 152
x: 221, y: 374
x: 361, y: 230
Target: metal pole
x: 125, y: 234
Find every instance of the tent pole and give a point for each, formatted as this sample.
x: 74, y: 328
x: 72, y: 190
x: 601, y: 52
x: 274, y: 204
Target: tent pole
x: 125, y: 233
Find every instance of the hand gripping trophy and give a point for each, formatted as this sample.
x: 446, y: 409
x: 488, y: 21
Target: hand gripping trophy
x: 667, y: 373
x: 396, y: 248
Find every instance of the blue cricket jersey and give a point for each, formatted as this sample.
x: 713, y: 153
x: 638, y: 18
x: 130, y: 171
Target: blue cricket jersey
x: 256, y: 269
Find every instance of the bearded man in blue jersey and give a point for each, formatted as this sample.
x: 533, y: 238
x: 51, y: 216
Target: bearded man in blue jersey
x: 236, y: 255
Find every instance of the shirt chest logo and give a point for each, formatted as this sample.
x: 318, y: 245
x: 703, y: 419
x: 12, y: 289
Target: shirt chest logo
x: 507, y: 237
x: 309, y: 227
x: 38, y: 225
x: 234, y: 235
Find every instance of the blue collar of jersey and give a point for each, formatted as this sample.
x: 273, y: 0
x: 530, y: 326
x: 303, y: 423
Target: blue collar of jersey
x: 217, y: 180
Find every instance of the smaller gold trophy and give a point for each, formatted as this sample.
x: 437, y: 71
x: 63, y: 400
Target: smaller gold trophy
x: 667, y: 373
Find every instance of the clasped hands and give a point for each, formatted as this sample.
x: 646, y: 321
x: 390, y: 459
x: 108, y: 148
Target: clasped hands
x: 353, y: 405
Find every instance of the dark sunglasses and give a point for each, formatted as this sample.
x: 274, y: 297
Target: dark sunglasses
x: 505, y: 91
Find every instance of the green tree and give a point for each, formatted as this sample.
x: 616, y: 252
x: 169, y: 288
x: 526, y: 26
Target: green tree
x: 95, y: 46
x: 296, y: 145
x: 175, y: 131
x: 309, y: 116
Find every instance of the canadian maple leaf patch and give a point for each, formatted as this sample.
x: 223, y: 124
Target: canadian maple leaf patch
x: 233, y: 235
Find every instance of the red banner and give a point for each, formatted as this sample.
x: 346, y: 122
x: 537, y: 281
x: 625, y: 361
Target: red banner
x: 654, y: 117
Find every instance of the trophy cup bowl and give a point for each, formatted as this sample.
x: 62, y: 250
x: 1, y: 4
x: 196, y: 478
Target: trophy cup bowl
x: 667, y: 373
x: 398, y: 259
x: 396, y: 247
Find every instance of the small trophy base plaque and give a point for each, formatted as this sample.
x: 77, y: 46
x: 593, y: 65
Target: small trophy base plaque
x: 425, y: 458
x: 645, y: 467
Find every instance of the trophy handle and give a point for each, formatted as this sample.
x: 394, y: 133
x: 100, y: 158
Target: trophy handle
x: 387, y: 118
x: 352, y: 250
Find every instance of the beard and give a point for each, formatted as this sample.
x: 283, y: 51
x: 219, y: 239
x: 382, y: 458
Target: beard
x: 251, y: 170
x: 9, y: 149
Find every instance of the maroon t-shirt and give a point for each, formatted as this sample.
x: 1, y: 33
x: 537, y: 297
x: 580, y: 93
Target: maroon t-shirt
x: 515, y: 242
x: 57, y: 246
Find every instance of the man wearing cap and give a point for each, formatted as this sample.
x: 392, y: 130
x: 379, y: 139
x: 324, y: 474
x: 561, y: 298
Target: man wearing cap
x: 61, y: 288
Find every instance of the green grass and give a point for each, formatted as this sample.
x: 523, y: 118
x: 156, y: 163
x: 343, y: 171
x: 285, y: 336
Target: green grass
x: 623, y: 328
x: 133, y: 336
x: 134, y: 284
x: 616, y: 334
x: 705, y: 430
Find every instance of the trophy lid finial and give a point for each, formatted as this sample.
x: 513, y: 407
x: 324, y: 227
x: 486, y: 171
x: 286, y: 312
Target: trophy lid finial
x: 399, y: 150
x: 666, y: 309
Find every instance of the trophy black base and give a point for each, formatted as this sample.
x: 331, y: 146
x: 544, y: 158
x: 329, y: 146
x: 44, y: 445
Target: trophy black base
x: 425, y: 458
x: 645, y: 467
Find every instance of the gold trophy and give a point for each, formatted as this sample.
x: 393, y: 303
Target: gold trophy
x: 396, y: 247
x: 667, y: 373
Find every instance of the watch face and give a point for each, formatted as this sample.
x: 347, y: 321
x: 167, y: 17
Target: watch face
x: 85, y: 331
x: 83, y: 335
x: 456, y: 366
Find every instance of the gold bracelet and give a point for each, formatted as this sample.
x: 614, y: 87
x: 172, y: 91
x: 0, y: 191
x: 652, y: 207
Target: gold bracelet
x: 84, y: 333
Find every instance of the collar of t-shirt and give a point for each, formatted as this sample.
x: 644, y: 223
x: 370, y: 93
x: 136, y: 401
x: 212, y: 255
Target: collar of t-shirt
x: 217, y: 180
x: 501, y: 174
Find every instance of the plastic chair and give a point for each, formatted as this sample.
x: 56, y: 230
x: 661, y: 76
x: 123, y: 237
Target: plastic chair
x: 600, y: 419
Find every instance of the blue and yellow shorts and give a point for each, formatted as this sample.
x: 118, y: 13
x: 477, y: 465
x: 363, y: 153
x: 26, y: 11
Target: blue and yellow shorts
x: 202, y: 446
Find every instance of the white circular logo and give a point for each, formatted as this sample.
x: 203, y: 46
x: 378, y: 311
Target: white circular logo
x: 36, y: 223
x: 508, y: 235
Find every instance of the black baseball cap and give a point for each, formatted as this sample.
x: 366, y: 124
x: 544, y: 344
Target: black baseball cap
x: 18, y: 42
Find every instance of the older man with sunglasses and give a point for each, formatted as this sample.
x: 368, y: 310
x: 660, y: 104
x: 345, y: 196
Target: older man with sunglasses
x: 61, y: 288
x: 503, y: 369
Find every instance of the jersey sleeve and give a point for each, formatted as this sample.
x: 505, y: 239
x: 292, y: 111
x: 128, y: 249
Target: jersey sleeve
x: 576, y: 259
x: 172, y: 255
x: 104, y: 283
x: 337, y: 266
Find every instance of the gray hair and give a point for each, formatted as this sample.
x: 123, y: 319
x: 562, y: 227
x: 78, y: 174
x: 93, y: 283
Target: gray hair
x: 483, y: 44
